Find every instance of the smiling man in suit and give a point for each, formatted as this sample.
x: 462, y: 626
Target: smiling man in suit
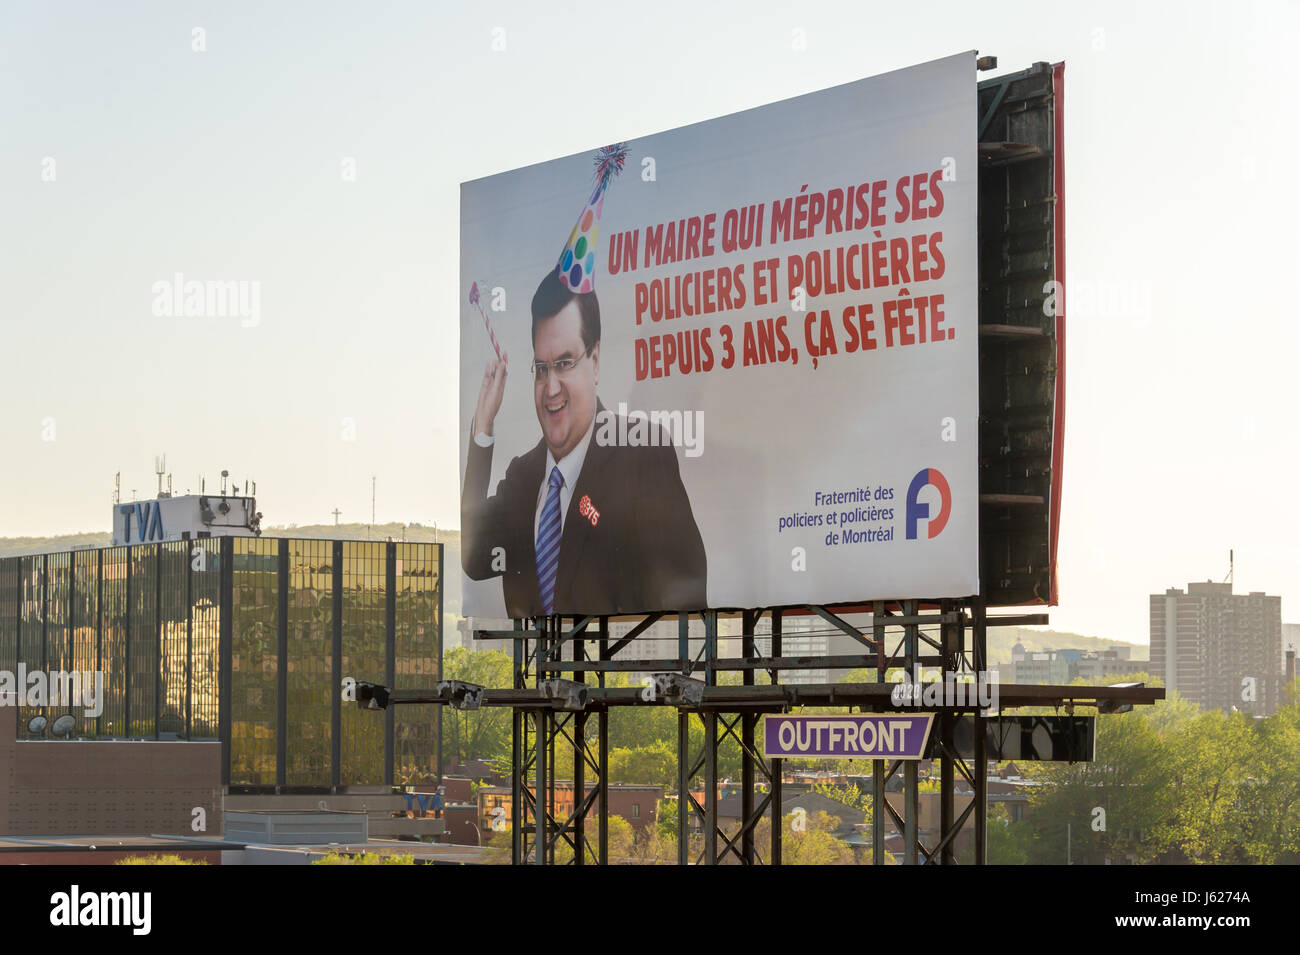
x: 576, y: 526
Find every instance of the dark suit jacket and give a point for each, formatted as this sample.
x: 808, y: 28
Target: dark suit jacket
x: 643, y: 554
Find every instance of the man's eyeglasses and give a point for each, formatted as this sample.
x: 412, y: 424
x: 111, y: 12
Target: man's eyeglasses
x: 562, y: 367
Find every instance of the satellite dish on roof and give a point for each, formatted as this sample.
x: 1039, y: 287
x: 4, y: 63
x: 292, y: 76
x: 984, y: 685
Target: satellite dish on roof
x: 64, y: 725
x: 36, y: 725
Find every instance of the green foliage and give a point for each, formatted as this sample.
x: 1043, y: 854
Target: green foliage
x: 666, y: 818
x: 850, y: 795
x: 483, y: 733
x: 653, y: 765
x: 1006, y: 842
x: 622, y: 840
x: 172, y: 859
x: 1174, y: 785
x: 1212, y: 759
x: 364, y: 858
x: 807, y: 840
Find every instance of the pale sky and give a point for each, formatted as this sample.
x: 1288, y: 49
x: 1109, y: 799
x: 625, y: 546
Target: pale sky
x: 226, y: 164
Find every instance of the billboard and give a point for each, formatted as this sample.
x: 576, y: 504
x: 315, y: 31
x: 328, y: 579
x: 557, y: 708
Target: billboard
x: 730, y: 365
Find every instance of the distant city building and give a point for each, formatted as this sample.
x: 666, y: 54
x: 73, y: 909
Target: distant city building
x: 1068, y: 664
x: 1040, y: 666
x: 1102, y: 664
x: 800, y: 637
x: 1219, y: 649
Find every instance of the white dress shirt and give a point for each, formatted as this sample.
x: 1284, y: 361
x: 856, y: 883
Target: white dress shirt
x: 570, y: 467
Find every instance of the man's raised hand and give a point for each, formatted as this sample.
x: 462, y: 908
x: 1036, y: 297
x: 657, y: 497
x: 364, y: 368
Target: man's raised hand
x: 490, y: 394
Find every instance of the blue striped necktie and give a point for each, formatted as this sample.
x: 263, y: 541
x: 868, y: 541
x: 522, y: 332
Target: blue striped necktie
x: 548, y: 542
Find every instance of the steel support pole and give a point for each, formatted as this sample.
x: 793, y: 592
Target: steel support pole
x: 519, y: 748
x: 947, y: 782
x: 579, y: 724
x: 747, y: 723
x: 910, y: 780
x: 979, y: 643
x: 710, y: 743
x: 774, y: 766
x: 602, y: 720
x: 878, y: 765
x: 516, y: 793
x: 541, y: 805
x: 684, y: 808
x: 544, y: 742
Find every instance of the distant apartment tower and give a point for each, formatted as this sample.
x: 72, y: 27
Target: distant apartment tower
x: 1209, y: 644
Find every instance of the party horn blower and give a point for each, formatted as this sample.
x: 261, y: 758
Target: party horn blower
x: 475, y: 300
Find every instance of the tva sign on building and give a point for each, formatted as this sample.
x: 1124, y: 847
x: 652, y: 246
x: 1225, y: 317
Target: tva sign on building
x: 185, y: 517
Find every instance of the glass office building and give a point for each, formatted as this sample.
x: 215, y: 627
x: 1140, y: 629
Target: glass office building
x: 246, y: 640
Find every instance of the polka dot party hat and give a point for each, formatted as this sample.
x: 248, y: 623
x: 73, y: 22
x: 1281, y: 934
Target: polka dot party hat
x: 577, y: 266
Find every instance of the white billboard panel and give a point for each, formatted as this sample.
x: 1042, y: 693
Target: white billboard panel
x: 729, y: 365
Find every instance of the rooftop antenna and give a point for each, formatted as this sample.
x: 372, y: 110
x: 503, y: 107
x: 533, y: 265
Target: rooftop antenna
x: 224, y: 475
x: 336, y: 512
x: 1229, y: 579
x: 117, y: 489
x: 169, y: 485
x: 160, y: 468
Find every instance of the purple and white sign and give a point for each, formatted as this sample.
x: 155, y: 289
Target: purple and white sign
x: 846, y: 735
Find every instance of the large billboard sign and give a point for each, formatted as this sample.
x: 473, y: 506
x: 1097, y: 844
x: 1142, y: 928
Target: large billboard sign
x: 729, y: 365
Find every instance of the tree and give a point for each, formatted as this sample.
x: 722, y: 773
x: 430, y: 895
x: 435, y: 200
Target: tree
x: 363, y: 858
x: 483, y: 733
x: 622, y: 840
x: 1170, y: 715
x: 1212, y: 759
x: 806, y: 840
x: 1270, y: 794
x: 172, y: 859
x: 653, y: 764
x: 1130, y: 782
x: 1005, y: 838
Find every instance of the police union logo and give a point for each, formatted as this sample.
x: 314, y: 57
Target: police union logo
x: 919, y: 510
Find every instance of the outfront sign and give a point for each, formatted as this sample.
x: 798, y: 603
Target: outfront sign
x: 846, y: 736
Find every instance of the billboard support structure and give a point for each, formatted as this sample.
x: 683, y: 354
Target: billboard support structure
x: 547, y: 711
x: 543, y: 834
